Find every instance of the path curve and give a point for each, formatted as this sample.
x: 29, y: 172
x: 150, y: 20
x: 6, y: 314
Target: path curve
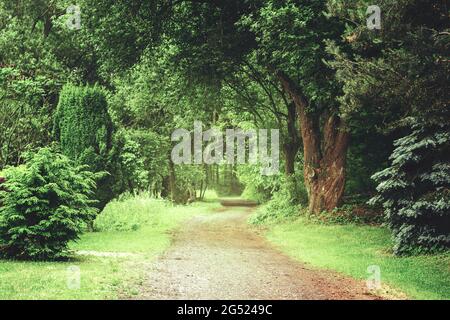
x: 218, y: 256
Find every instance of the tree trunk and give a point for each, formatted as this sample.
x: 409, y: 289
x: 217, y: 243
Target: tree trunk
x: 289, y: 159
x: 165, y: 188
x: 47, y: 24
x: 324, y: 155
x: 172, y: 183
x: 326, y: 182
x: 217, y: 175
x: 292, y: 145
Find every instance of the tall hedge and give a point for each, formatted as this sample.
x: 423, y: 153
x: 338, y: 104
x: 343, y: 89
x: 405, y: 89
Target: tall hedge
x: 84, y: 129
x: 415, y: 190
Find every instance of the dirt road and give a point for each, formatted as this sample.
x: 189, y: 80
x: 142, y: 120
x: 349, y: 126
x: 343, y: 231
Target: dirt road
x: 220, y: 257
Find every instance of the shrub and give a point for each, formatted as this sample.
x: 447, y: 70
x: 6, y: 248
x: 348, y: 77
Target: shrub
x: 359, y: 214
x: 130, y: 213
x: 46, y: 204
x: 415, y: 190
x: 286, y: 202
x: 84, y: 129
x: 258, y: 187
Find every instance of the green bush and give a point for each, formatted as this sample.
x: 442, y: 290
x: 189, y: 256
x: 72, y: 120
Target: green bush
x: 258, y: 187
x: 286, y: 202
x: 84, y: 129
x: 415, y: 191
x: 46, y: 203
x: 358, y: 214
x: 130, y: 213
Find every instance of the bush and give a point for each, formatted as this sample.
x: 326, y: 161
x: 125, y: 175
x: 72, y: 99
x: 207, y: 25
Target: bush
x: 84, y: 129
x: 130, y: 213
x: 46, y: 204
x: 358, y: 214
x: 286, y: 202
x: 415, y: 191
x: 258, y: 187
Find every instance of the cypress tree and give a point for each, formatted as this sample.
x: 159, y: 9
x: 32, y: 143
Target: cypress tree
x: 84, y: 130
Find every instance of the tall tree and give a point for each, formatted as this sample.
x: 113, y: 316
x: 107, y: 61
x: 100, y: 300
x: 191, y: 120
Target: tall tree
x: 84, y: 130
x: 291, y: 44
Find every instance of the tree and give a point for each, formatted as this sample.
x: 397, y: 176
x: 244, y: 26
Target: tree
x: 415, y: 190
x: 84, y: 129
x: 151, y: 101
x: 296, y: 57
x: 30, y: 78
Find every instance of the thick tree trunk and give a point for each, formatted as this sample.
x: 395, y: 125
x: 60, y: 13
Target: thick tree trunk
x: 324, y: 155
x: 326, y: 180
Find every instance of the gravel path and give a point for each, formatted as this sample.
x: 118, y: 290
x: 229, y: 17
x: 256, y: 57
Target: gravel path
x: 220, y: 257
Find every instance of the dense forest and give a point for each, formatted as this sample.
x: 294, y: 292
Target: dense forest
x: 91, y: 93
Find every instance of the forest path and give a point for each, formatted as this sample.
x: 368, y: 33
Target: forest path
x: 218, y: 256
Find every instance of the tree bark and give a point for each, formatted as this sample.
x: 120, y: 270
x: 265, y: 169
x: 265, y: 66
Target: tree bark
x: 292, y: 144
x: 327, y: 180
x: 289, y: 160
x: 172, y: 182
x: 324, y: 151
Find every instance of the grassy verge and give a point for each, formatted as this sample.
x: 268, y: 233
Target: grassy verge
x: 350, y: 249
x: 137, y: 228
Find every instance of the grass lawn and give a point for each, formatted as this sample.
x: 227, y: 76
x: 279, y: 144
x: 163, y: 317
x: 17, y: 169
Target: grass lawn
x: 350, y: 249
x: 102, y: 277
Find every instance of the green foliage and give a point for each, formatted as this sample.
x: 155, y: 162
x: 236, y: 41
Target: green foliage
x: 188, y: 180
x: 38, y: 54
x: 394, y: 80
x: 82, y: 123
x: 290, y: 36
x: 286, y: 202
x: 257, y: 187
x: 130, y: 213
x: 415, y: 190
x: 167, y: 64
x: 138, y: 213
x: 132, y: 175
x: 358, y: 214
x: 45, y: 204
x: 24, y: 116
x: 396, y: 74
x: 84, y: 129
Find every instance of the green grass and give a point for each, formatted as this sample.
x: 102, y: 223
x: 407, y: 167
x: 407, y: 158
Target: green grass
x: 350, y: 249
x: 102, y: 277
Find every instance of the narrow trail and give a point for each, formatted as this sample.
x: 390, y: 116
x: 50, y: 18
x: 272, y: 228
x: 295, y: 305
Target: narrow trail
x: 219, y: 256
